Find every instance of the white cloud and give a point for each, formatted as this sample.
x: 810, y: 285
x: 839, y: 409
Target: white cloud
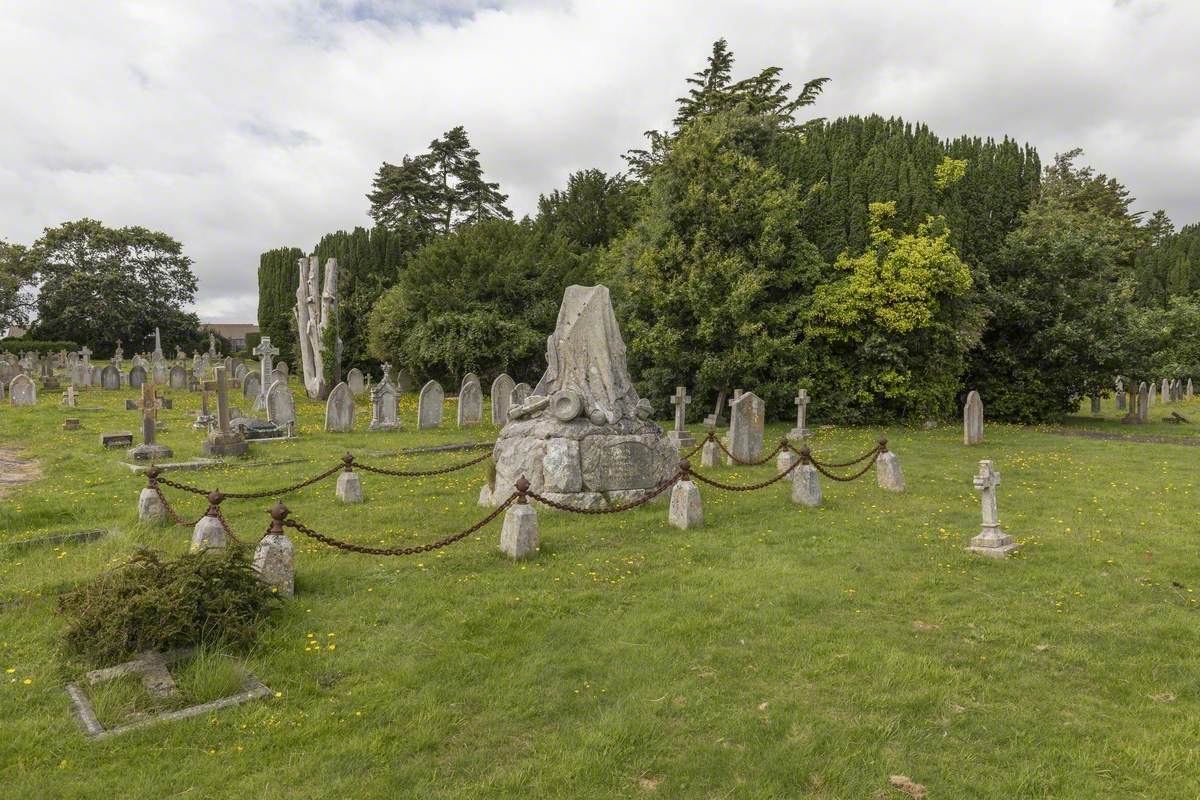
x: 237, y: 127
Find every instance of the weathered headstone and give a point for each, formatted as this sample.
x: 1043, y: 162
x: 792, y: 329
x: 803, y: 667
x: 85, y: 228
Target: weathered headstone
x: 1095, y: 402
x: 96, y: 378
x: 278, y: 375
x: 806, y: 486
x: 239, y: 372
x: 1145, y: 395
x: 251, y: 387
x: 1120, y: 396
x: 429, y: 405
x: 339, y: 409
x: 354, y: 379
x: 470, y: 402
x: 1188, y: 393
x: 137, y: 376
x: 282, y: 366
x: 991, y: 541
x: 801, y: 429
x: 385, y: 408
x: 222, y: 441
x: 149, y: 448
x: 747, y: 416
x: 973, y: 419
x: 68, y: 397
x: 714, y: 420
x: 519, y: 395
x: 178, y: 378
x: 1153, y: 398
x: 501, y: 397
x: 274, y: 561
x: 680, y: 436
x: 686, y: 510
x: 281, y: 406
x: 22, y: 391
x: 1165, y: 391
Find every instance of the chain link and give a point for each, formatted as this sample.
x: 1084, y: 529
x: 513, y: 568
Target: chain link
x: 729, y: 487
x: 641, y: 501
x: 295, y: 487
x: 398, y: 551
x: 872, y: 452
x: 423, y: 473
x: 175, y: 518
x: 737, y: 460
x: 821, y: 468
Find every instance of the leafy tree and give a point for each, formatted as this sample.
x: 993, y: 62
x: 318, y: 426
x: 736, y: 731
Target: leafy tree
x: 716, y: 274
x: 278, y: 275
x: 896, y: 330
x: 1061, y: 298
x: 16, y: 283
x: 591, y: 211
x: 100, y: 284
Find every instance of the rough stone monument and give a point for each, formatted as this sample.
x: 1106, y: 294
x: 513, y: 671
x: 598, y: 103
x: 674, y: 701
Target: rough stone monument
x: 973, y: 419
x: 991, y: 541
x: 584, y: 437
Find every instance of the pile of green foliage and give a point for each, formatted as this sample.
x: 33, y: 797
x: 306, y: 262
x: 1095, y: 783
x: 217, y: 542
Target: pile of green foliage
x: 209, y: 598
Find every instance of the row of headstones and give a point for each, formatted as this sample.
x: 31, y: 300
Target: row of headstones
x: 340, y: 411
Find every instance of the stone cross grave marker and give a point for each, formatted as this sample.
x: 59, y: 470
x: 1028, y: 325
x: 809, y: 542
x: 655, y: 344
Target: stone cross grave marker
x: 801, y: 429
x: 149, y: 404
x: 68, y: 398
x: 991, y: 541
x: 266, y: 353
x: 973, y: 419
x: 680, y: 436
x: 222, y: 441
x: 713, y: 420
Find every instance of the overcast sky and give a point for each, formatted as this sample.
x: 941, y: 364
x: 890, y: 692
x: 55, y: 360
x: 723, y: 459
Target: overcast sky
x: 241, y: 126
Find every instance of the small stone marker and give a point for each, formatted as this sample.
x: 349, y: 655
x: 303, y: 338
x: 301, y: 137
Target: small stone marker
x: 686, y: 510
x: 991, y: 541
x: 149, y: 449
x: 806, y: 486
x: 709, y: 453
x: 178, y: 379
x: 339, y: 409
x: 887, y: 470
x: 354, y: 379
x: 266, y: 352
x: 470, y: 401
x: 1153, y: 395
x: 22, y: 391
x: 385, y: 404
x: 150, y: 507
x: 713, y: 420
x: 801, y: 429
x: 501, y: 397
x: 784, y: 461
x: 68, y: 397
x: 274, y: 557
x: 137, y: 376
x: 747, y: 416
x: 71, y: 424
x: 349, y: 486
x: 429, y: 405
x: 519, y: 536
x: 251, y: 387
x: 209, y: 533
x: 680, y: 436
x: 111, y: 441
x: 973, y: 419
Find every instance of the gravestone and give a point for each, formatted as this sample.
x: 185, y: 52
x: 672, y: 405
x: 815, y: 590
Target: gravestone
x: 282, y: 366
x: 385, y: 409
x: 339, y: 409
x: 519, y: 395
x: 251, y: 387
x: 1095, y: 402
x: 95, y: 378
x: 22, y: 391
x: 178, y: 378
x: 1120, y: 387
x: 222, y: 441
x: 429, y: 405
x: 470, y: 402
x: 991, y: 541
x: 502, y: 389
x: 354, y: 379
x: 149, y: 449
x: 973, y: 419
x: 278, y: 375
x: 747, y: 415
x: 714, y: 420
x: 1165, y: 391
x: 1145, y: 395
x: 1188, y: 392
x: 801, y: 429
x: 1153, y: 398
x: 79, y: 374
x: 110, y: 377
x: 68, y: 397
x: 137, y: 377
x: 681, y: 437
x: 281, y: 406
x: 239, y: 372
x: 265, y: 351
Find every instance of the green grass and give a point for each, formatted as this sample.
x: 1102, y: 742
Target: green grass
x: 778, y: 652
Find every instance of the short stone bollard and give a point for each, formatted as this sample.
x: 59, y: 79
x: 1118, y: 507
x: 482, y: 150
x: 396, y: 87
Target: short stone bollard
x: 209, y: 533
x: 685, y: 511
x: 708, y: 453
x: 274, y: 557
x: 349, y: 487
x: 806, y: 482
x: 786, y: 458
x: 150, y: 505
x: 519, y: 536
x: 887, y: 469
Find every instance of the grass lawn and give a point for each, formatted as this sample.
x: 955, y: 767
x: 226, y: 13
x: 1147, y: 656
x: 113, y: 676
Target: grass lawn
x: 779, y: 652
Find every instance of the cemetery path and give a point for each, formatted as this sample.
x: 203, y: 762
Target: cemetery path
x: 14, y: 470
x: 1126, y: 437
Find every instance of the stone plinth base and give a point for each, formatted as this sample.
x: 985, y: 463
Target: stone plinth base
x: 798, y: 433
x: 224, y: 444
x: 485, y: 496
x: 274, y: 561
x: 209, y: 534
x: 149, y: 452
x: 887, y: 472
x: 993, y: 542
x: 708, y: 455
x: 519, y: 536
x: 683, y: 440
x: 784, y: 460
x: 806, y: 486
x: 151, y: 508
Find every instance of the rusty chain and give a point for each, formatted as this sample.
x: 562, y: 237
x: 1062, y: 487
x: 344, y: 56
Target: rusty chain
x: 214, y: 509
x: 398, y: 551
x: 295, y: 487
x: 729, y: 487
x: 874, y: 451
x: 821, y: 468
x: 641, y: 501
x: 737, y: 460
x: 424, y: 473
